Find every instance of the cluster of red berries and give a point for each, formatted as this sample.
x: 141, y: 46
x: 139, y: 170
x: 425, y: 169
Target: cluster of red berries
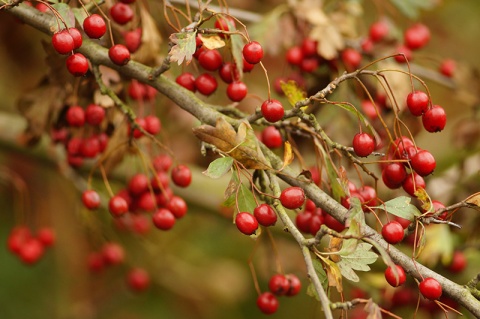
x: 28, y: 247
x: 312, y: 218
x: 279, y: 285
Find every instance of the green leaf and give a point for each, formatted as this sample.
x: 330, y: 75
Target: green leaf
x: 355, y: 222
x: 80, y: 15
x: 322, y: 276
x: 236, y: 42
x: 230, y: 191
x: 293, y: 93
x: 401, y: 207
x: 219, y: 167
x: 67, y: 15
x: 411, y: 8
x: 246, y: 201
x: 358, y: 260
x: 337, y: 190
x: 184, y: 47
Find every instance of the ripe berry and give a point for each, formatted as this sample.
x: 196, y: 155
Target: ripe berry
x: 77, y: 37
x: 210, y: 60
x: 223, y: 24
x: 417, y: 36
x: 77, y: 64
x: 352, y: 58
x: 228, y: 72
x: 75, y: 116
x: 253, y: 52
x: 90, y: 147
x: 236, y: 91
x: 94, y: 114
x: 162, y: 162
x: 136, y: 132
x: 146, y: 201
x: 94, y: 26
x: 246, y: 223
x: 138, y: 184
x: 332, y: 223
x: 412, y: 183
x: 113, y: 254
x: 393, y: 175
x: 31, y: 251
x: 430, y: 288
x: 272, y: 110
x: 458, y: 263
x: 152, y: 124
x: 206, y: 84
x: 448, y: 67
x: 265, y: 215
x: 294, y: 55
x: 395, y: 281
x: 117, y: 206
x: 160, y: 181
x: 119, y: 54
x: 267, y: 303
x: 392, y: 232
x: 363, y: 144
x: 378, y: 31
x: 17, y: 238
x: 133, y: 39
x: 292, y: 197
x: 138, y: 279
x: 272, y: 137
x: 417, y: 102
x: 423, y: 163
x: 309, y: 47
x: 46, y: 236
x: 177, y: 206
x: 309, y: 65
x: 279, y: 285
x: 303, y: 220
x: 369, y: 194
x: 187, y: 80
x: 121, y: 13
x: 434, y: 119
x: 369, y: 109
x: 403, y: 53
x: 63, y: 42
x: 181, y: 175
x: 247, y: 67
x: 163, y: 219
x: 295, y: 285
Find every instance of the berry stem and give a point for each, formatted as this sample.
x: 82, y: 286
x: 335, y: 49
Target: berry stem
x: 105, y: 181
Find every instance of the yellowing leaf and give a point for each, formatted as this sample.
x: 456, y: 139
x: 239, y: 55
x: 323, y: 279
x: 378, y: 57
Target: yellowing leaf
x: 293, y: 93
x: 474, y: 199
x: 438, y: 245
x: 212, y: 42
x: 333, y: 274
x: 242, y: 146
x: 184, y: 47
x: 287, y: 155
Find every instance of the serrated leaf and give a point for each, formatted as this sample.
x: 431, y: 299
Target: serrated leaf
x: 337, y: 190
x: 184, y: 47
x: 242, y: 145
x: 293, y: 92
x: 411, y: 8
x: 212, y: 42
x: 357, y: 260
x: 219, y: 167
x: 67, y: 15
x: 401, y: 207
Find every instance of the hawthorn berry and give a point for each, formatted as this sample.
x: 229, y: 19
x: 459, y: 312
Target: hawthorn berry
x: 95, y: 262
x: 309, y: 47
x: 94, y: 114
x: 62, y: 42
x: 228, y: 73
x: 253, y: 52
x: 369, y: 109
x: 309, y: 65
x: 46, y: 236
x: 77, y: 64
x: 417, y: 36
x: 458, y: 262
x: 434, y: 119
x: 162, y: 162
x: 267, y: 303
x: 77, y: 37
x: 163, y: 219
x: 430, y: 288
x: 412, y: 183
x: 393, y: 175
x: 246, y: 223
x: 369, y: 195
x: 272, y: 137
x: 236, y: 91
x: 177, y: 206
x: 265, y: 215
x: 90, y: 147
x: 113, y: 253
x: 119, y: 54
x: 292, y: 197
x: 363, y: 144
x: 152, y: 124
x: 352, y: 58
x: 206, y: 84
x: 223, y: 24
x: 332, y: 223
x: 403, y: 54
x: 145, y: 201
x: 31, y: 251
x: 17, y: 238
x: 138, y: 184
x: 181, y: 175
x: 121, y: 13
x: 75, y: 116
x: 392, y: 232
x: 448, y: 67
x: 160, y: 181
x: 279, y: 284
x: 187, y: 80
x: 295, y: 285
x: 117, y: 206
x: 423, y: 163
x: 247, y: 67
x: 417, y: 102
x: 94, y: 26
x: 378, y: 31
x: 138, y: 279
x: 272, y: 110
x: 393, y: 280
x: 210, y: 60
x: 294, y: 56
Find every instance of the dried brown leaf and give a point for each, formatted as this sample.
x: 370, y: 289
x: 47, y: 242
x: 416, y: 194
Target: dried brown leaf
x: 150, y: 50
x: 212, y: 42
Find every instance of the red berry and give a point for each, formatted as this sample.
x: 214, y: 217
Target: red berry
x: 95, y: 262
x: 17, y: 238
x: 294, y: 55
x: 117, y: 206
x: 187, y: 80
x: 206, y: 84
x: 393, y: 175
x: 448, y: 67
x: 146, y: 201
x: 309, y: 47
x: 309, y: 65
x: 378, y: 31
x: 133, y: 39
x: 162, y: 162
x: 75, y: 116
x: 267, y: 303
x: 423, y: 163
x: 236, y: 91
x: 352, y: 58
x: 210, y: 60
x: 163, y: 219
x: 136, y: 132
x: 332, y: 223
x: 63, y: 42
x: 403, y: 53
x: 369, y: 109
x: 363, y: 144
x: 253, y: 52
x: 94, y: 114
x: 417, y: 102
x: 223, y: 24
x: 113, y: 254
x: 228, y: 73
x: 46, y: 236
x: 90, y: 147
x: 392, y: 232
x: 272, y: 137
x: 417, y: 36
x: 136, y: 90
x: 31, y: 251
x: 77, y: 37
x: 138, y: 184
x: 160, y: 181
x: 42, y: 7
x: 138, y: 279
x: 367, y: 45
x: 121, y: 13
x: 246, y: 223
x: 412, y: 183
x: 279, y: 285
x: 94, y: 26
x: 177, y: 206
x: 119, y: 54
x: 392, y: 279
x: 152, y: 124
x: 295, y: 285
x: 402, y: 221
x: 247, y: 67
x: 430, y: 288
x: 141, y: 224
x: 181, y: 175
x: 265, y: 215
x: 77, y: 64
x: 272, y: 110
x: 292, y: 197
x: 369, y: 194
x: 434, y: 119
x: 458, y: 263
x: 303, y: 220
